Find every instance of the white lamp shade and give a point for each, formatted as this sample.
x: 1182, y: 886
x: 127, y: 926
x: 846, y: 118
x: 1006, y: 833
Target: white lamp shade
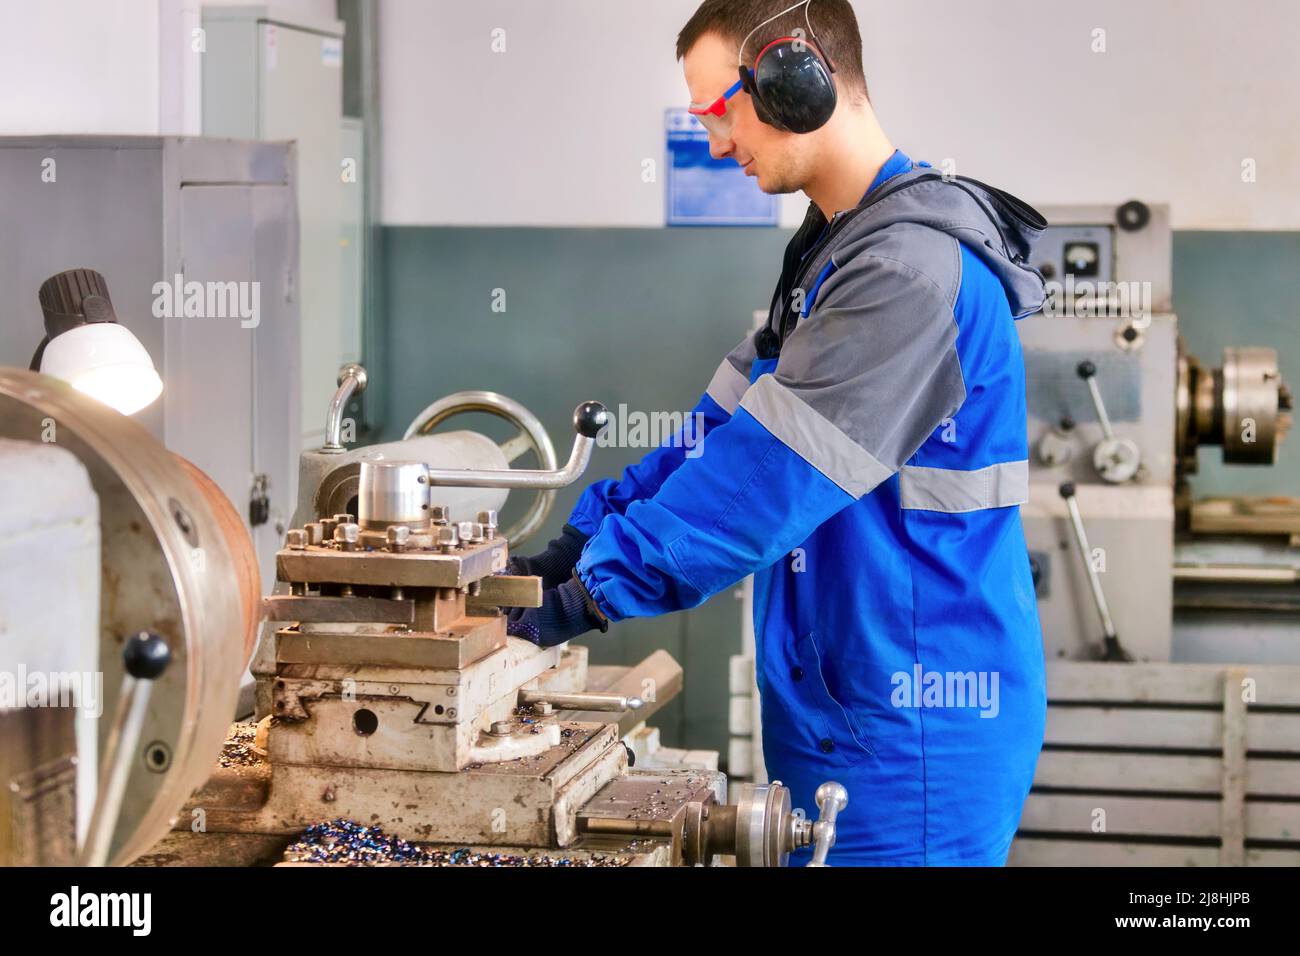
x: 105, y: 361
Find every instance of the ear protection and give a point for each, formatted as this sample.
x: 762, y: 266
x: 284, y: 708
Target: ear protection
x: 790, y: 82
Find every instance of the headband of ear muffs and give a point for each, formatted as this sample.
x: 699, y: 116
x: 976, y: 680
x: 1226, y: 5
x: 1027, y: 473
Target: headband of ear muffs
x: 791, y: 86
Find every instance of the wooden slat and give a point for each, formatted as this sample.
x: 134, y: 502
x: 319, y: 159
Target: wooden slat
x: 1273, y: 858
x: 1035, y: 851
x: 1107, y: 771
x: 1166, y: 773
x: 1273, y: 777
x: 1128, y: 727
x: 1273, y: 821
x: 1273, y: 732
x: 1276, y: 685
x: 1145, y: 816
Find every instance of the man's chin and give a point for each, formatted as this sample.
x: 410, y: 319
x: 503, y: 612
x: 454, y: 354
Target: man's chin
x: 775, y: 187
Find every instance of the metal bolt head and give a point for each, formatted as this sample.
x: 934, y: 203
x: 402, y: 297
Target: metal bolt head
x: 396, y: 537
x: 447, y: 538
x: 345, y: 519
x: 488, y: 519
x: 327, y: 526
x: 346, y: 535
x: 502, y: 728
x: 439, y: 514
x: 315, y: 533
x: 296, y: 539
x: 471, y: 532
x: 542, y: 708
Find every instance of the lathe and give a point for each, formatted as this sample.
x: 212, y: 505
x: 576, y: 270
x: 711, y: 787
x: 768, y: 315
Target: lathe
x: 387, y: 691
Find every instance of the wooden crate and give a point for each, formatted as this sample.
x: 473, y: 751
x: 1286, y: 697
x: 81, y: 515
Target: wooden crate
x: 1166, y: 765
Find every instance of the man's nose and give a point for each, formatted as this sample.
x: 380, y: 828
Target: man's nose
x: 720, y: 147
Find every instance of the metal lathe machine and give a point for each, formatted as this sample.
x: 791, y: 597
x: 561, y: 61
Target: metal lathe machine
x: 388, y: 695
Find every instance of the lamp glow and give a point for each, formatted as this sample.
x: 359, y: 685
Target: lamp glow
x: 105, y: 361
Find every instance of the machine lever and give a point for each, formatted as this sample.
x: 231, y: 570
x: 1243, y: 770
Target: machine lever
x: 831, y: 799
x: 1116, y: 459
x: 351, y: 382
x: 1112, y: 650
x: 144, y: 659
x: 588, y: 419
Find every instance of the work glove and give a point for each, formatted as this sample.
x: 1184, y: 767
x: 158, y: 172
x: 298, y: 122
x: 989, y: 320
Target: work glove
x: 554, y: 565
x: 567, y: 611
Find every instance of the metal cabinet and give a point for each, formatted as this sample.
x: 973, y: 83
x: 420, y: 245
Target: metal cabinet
x: 147, y: 210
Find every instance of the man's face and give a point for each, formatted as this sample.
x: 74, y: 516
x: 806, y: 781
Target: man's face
x: 780, y: 161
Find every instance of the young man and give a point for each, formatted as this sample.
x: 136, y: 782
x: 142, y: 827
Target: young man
x: 864, y: 458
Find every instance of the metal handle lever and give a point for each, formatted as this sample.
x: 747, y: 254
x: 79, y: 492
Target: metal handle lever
x: 601, y: 702
x: 588, y: 419
x: 144, y: 658
x: 351, y: 381
x: 831, y: 799
x: 1116, y: 459
x: 1112, y: 649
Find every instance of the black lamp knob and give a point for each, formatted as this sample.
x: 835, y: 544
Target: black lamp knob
x: 146, y: 656
x: 589, y: 418
x: 1086, y: 369
x: 1067, y: 490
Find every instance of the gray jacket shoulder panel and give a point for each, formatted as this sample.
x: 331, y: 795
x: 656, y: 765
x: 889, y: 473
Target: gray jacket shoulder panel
x: 927, y: 251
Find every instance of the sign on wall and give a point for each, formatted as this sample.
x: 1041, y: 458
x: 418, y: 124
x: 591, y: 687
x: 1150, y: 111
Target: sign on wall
x: 703, y: 191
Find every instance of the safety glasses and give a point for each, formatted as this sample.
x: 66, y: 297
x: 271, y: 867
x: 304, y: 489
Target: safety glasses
x: 716, y: 117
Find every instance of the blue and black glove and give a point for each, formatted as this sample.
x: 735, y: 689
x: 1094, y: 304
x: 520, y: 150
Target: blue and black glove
x: 567, y: 611
x: 554, y: 565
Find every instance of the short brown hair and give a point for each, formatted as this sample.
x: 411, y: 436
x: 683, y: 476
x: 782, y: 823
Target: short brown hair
x: 834, y: 28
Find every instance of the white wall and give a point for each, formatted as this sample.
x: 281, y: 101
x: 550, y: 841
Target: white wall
x: 79, y: 66
x: 554, y: 130
x: 108, y: 66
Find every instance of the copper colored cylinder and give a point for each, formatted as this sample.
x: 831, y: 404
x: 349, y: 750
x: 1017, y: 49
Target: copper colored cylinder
x: 242, y: 553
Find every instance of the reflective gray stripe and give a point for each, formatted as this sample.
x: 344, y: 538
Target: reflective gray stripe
x: 813, y: 438
x: 727, y: 386
x: 956, y: 492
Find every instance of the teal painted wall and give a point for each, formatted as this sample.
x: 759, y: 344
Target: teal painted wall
x: 643, y: 316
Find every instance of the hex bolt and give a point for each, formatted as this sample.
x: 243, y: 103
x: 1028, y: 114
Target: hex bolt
x: 502, y: 728
x: 396, y: 537
x: 439, y: 514
x: 488, y: 519
x: 315, y: 533
x: 296, y: 540
x: 447, y: 539
x: 542, y: 708
x: 345, y: 519
x: 346, y: 535
x: 327, y: 526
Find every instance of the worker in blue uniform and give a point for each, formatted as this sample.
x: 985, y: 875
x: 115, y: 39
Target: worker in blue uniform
x: 863, y: 456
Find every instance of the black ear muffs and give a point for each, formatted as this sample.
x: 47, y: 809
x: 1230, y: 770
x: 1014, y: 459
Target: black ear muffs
x: 791, y: 85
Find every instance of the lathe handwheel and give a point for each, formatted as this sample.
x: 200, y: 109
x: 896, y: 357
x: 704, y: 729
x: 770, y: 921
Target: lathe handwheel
x: 531, y: 437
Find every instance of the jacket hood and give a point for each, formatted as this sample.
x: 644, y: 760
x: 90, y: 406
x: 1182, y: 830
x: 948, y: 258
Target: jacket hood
x: 995, y: 225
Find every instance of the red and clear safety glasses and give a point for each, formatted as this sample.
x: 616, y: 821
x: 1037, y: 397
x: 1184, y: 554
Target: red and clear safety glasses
x: 715, y: 117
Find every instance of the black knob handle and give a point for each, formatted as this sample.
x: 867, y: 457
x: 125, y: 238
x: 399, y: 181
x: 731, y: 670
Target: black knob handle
x: 589, y: 418
x: 1067, y: 490
x: 146, y: 656
x: 1086, y: 369
x: 1067, y: 424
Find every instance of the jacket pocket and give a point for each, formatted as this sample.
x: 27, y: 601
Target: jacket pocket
x: 843, y: 732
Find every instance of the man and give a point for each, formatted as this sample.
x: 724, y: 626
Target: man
x: 864, y: 458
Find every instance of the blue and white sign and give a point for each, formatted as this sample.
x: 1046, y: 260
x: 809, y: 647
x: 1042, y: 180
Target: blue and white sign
x: 703, y: 191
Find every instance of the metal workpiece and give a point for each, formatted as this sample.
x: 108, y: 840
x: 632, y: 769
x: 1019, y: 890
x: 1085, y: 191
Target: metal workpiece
x: 604, y: 703
x: 351, y: 381
x: 393, y: 493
